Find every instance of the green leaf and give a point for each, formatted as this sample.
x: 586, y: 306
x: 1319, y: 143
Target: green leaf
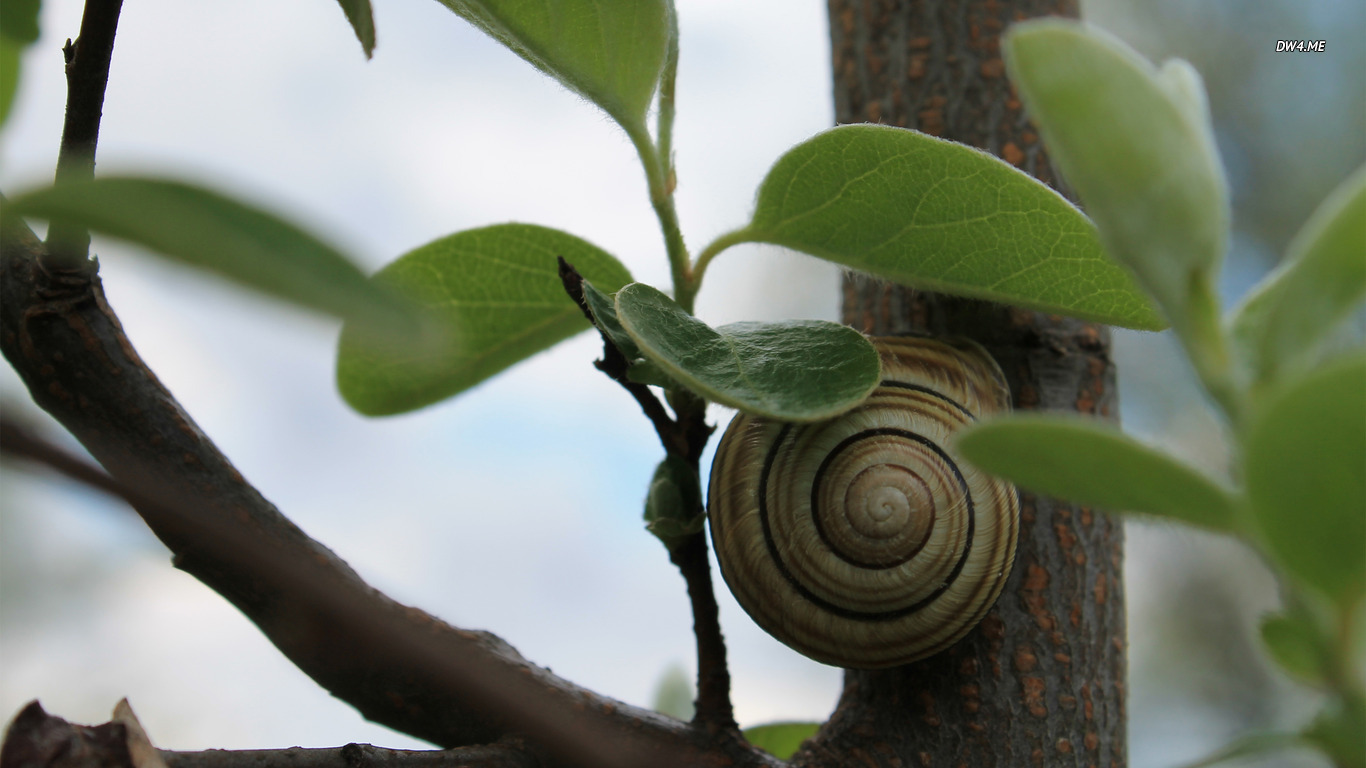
x: 19, y: 20
x: 1322, y: 279
x: 1340, y: 731
x: 499, y: 294
x: 18, y: 30
x: 1090, y: 463
x: 11, y: 59
x: 641, y: 371
x: 604, y: 309
x: 1297, y: 646
x: 609, y: 51
x: 800, y: 370
x: 202, y: 228
x: 674, y: 693
x: 1305, y: 453
x: 673, y: 508
x: 942, y: 216
x: 781, y: 739
x: 1136, y: 145
x: 362, y: 20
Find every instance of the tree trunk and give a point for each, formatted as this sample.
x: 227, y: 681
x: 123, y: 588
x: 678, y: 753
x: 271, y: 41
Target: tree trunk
x: 1041, y: 681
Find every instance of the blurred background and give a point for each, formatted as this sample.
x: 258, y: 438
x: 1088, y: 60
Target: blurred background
x: 536, y: 533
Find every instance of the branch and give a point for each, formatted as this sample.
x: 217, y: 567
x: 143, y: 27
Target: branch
x: 352, y: 755
x: 685, y: 437
x: 397, y: 665
x: 40, y: 739
x: 87, y: 74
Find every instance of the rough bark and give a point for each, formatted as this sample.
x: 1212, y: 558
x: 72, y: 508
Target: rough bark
x: 1041, y: 681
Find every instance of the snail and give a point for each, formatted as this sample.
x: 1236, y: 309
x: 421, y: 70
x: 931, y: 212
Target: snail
x: 863, y: 541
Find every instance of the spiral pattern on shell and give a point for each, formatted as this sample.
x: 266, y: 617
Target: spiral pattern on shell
x: 863, y: 541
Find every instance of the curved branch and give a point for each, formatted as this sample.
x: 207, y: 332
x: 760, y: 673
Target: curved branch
x: 397, y: 665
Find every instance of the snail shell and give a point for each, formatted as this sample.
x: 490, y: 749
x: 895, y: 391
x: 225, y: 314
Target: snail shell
x: 863, y: 541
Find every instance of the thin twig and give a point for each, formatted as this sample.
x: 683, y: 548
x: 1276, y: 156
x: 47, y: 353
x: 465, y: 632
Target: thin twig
x: 713, y: 674
x: 87, y: 75
x: 685, y: 437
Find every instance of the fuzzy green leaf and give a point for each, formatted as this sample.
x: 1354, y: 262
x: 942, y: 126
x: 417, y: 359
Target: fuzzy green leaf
x: 604, y: 309
x: 204, y: 229
x: 1296, y: 645
x: 362, y: 20
x: 673, y: 508
x: 800, y: 370
x: 19, y: 20
x: 943, y: 216
x: 1305, y: 453
x: 18, y: 30
x: 780, y: 739
x: 499, y: 294
x: 609, y: 51
x: 1340, y: 731
x: 1322, y: 279
x: 1135, y: 143
x: 674, y: 694
x: 1089, y: 463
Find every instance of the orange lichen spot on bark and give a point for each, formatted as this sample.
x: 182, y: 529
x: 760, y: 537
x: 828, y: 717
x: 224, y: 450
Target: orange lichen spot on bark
x: 1012, y: 154
x: 1035, y: 586
x: 1087, y: 517
x: 993, y: 628
x: 1033, y: 696
x: 930, y: 716
x: 1086, y: 402
x: 969, y: 667
x: 1066, y: 538
x: 1092, y: 741
x: 1074, y: 616
x: 1025, y: 660
x: 972, y: 698
x: 992, y: 68
x: 1088, y: 709
x: 1065, y: 746
x: 919, y: 43
x: 915, y: 68
x: 1062, y: 658
x: 931, y: 118
x: 925, y: 760
x: 1102, y: 589
x: 1068, y: 703
x: 1028, y: 396
x: 58, y: 391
